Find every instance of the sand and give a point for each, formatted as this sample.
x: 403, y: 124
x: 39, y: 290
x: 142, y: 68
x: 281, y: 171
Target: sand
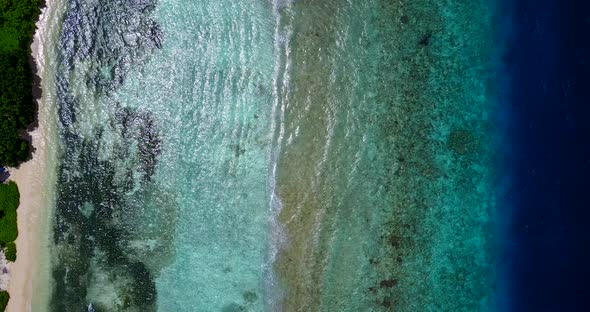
x: 29, y: 284
x: 25, y: 272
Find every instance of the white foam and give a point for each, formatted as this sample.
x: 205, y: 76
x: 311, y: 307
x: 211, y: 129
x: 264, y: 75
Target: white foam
x: 281, y: 81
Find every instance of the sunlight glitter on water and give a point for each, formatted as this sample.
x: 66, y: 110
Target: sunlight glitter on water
x: 293, y: 155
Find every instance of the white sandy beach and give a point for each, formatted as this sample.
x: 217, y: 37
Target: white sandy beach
x: 25, y: 273
x: 29, y: 284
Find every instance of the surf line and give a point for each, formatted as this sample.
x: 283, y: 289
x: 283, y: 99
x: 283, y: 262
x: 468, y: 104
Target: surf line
x: 283, y: 33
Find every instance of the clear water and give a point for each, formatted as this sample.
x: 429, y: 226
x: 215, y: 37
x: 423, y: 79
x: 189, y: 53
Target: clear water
x: 274, y: 156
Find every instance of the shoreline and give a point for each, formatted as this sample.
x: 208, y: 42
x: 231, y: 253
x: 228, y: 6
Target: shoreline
x: 30, y: 275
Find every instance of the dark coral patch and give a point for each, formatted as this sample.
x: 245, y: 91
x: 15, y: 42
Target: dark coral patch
x: 425, y: 39
x: 233, y: 307
x: 250, y: 296
x: 386, y: 303
x: 388, y: 283
x: 395, y: 241
x: 462, y: 142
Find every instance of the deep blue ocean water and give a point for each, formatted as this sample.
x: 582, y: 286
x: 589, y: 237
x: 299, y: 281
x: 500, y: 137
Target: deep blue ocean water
x: 545, y: 109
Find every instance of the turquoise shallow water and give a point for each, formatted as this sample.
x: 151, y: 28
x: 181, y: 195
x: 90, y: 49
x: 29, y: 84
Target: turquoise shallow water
x: 386, y: 170
x: 214, y: 105
x: 274, y: 156
x: 178, y: 121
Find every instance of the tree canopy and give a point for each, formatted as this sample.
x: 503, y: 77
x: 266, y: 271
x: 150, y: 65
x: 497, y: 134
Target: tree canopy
x: 17, y: 106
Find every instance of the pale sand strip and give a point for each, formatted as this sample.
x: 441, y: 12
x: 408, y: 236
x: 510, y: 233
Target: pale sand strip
x: 29, y: 284
x: 25, y: 272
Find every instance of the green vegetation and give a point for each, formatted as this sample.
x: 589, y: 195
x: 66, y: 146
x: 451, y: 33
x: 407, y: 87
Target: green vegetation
x: 4, y: 297
x: 17, y: 106
x: 10, y: 251
x: 9, y: 199
x: 17, y: 109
